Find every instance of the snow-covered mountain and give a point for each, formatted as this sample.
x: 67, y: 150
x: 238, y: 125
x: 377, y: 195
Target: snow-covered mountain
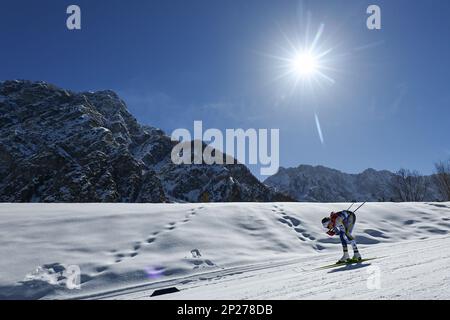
x: 221, y: 251
x: 61, y: 146
x: 322, y: 184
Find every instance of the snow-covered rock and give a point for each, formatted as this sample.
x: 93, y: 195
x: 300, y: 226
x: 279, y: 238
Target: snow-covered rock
x: 322, y: 184
x: 61, y: 146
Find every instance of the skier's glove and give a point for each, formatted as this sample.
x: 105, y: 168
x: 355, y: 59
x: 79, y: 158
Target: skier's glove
x: 331, y: 233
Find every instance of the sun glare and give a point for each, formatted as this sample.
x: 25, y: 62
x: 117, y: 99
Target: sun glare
x: 305, y: 64
x: 305, y: 61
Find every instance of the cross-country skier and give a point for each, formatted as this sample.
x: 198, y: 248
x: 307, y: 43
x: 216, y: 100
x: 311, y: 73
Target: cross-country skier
x: 342, y: 223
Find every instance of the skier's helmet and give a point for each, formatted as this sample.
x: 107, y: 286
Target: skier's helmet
x: 326, y: 222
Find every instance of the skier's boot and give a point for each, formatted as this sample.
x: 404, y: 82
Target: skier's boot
x: 344, y: 258
x: 356, y: 256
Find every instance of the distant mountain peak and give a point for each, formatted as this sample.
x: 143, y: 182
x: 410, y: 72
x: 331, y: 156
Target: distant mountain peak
x: 323, y: 184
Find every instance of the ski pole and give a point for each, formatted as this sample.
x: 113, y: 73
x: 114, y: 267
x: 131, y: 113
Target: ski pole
x: 350, y: 206
x: 359, y: 207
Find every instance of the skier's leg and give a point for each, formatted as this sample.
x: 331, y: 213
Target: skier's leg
x: 352, y: 242
x: 356, y: 254
x: 351, y: 224
x: 345, y: 256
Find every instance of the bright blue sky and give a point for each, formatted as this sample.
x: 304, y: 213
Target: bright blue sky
x: 176, y: 61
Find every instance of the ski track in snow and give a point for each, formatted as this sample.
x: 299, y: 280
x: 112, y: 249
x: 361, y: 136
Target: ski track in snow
x: 221, y: 251
x: 425, y: 279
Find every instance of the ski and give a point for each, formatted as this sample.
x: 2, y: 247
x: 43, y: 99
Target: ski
x: 347, y: 263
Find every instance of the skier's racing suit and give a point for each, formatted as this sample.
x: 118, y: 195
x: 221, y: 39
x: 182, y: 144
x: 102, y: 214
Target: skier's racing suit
x: 342, y: 224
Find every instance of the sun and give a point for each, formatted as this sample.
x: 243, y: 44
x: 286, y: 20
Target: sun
x: 305, y: 61
x: 305, y: 64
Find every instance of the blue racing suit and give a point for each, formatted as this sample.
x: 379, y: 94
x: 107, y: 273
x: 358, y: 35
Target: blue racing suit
x: 342, y: 224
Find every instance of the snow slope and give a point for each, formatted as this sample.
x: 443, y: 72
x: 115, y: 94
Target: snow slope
x: 233, y: 250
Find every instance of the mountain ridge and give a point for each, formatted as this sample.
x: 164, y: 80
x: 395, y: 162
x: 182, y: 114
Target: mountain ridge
x: 322, y: 184
x: 58, y: 145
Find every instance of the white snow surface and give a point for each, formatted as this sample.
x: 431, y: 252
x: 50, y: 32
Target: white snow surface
x: 221, y: 251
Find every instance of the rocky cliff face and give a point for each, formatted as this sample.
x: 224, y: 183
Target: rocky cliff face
x: 61, y: 146
x: 322, y: 184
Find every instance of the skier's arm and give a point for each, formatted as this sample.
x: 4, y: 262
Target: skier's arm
x: 337, y: 229
x: 339, y: 226
x: 340, y: 230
